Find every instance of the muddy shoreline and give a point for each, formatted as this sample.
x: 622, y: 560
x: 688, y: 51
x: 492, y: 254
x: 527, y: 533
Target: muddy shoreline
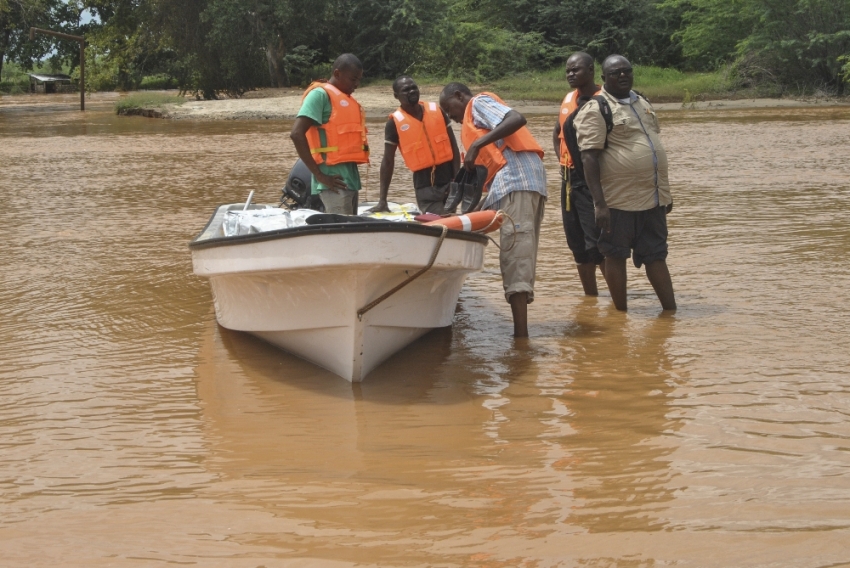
x: 282, y: 104
x: 379, y: 102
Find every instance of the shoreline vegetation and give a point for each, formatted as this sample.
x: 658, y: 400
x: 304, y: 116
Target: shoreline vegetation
x: 533, y: 93
x: 536, y: 92
x: 687, y: 51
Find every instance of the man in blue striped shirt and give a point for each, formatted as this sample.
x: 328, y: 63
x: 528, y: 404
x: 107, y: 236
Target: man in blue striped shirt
x: 495, y: 136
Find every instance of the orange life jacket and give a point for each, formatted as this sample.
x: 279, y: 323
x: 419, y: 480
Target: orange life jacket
x: 569, y: 104
x: 490, y: 156
x: 345, y: 131
x: 425, y: 143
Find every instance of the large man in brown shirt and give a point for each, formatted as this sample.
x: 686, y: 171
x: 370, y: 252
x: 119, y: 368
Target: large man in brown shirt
x: 626, y: 171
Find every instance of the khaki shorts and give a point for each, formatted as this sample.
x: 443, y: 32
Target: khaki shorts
x: 519, y: 264
x: 342, y: 202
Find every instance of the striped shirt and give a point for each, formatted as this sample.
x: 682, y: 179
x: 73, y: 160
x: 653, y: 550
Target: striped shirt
x: 523, y: 171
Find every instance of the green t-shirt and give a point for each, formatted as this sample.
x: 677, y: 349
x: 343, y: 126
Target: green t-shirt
x: 317, y: 106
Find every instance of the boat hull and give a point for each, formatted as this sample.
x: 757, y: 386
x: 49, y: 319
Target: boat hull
x: 301, y: 289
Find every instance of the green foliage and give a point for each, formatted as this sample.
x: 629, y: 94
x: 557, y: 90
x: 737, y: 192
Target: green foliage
x: 712, y: 29
x: 656, y: 83
x: 102, y: 72
x: 387, y: 35
x: 158, y: 82
x: 55, y: 15
x: 147, y: 101
x: 125, y: 41
x: 213, y: 46
x: 777, y: 44
x: 844, y: 60
x: 475, y: 51
x: 634, y: 28
x: 14, y: 79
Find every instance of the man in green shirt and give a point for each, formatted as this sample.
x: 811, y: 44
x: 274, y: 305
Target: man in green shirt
x: 336, y: 182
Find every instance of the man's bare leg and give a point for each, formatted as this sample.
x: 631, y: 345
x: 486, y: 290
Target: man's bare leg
x: 615, y: 276
x: 659, y: 277
x: 519, y: 309
x: 587, y: 275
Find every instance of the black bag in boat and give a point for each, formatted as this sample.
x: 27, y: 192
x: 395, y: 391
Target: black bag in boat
x: 466, y: 189
x: 336, y: 218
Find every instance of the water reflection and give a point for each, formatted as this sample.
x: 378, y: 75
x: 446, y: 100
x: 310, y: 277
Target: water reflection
x: 618, y: 411
x: 130, y: 420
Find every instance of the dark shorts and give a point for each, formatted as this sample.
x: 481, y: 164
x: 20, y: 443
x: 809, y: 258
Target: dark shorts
x: 432, y: 199
x: 580, y: 224
x: 644, y: 232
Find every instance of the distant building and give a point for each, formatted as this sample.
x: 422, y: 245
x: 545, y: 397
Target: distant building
x: 41, y: 83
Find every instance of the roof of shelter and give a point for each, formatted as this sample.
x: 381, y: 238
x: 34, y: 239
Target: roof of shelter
x: 44, y: 78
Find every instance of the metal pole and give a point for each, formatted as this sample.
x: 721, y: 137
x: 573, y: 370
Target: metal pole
x: 83, y: 75
x: 82, y: 42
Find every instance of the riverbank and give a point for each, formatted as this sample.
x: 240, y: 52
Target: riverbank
x: 282, y: 104
x: 378, y: 102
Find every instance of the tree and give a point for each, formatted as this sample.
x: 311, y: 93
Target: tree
x: 634, y: 28
x: 793, y: 42
x: 387, y: 35
x: 16, y: 18
x: 123, y: 43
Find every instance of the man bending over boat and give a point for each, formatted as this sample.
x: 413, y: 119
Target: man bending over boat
x: 495, y: 136
x: 421, y: 131
x: 330, y: 136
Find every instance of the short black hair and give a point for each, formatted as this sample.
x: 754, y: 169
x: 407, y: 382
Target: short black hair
x: 586, y: 58
x: 347, y: 61
x: 611, y: 59
x: 452, y: 87
x: 398, y: 80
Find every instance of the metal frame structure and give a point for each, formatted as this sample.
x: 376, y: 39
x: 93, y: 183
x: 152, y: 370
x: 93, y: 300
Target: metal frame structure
x: 82, y: 41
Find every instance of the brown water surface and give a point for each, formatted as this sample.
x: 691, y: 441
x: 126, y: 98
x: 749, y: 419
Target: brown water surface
x: 136, y: 432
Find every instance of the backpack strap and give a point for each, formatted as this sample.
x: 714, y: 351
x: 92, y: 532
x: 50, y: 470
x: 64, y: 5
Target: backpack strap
x: 605, y: 109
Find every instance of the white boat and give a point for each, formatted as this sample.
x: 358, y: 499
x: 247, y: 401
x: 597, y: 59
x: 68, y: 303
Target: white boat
x: 310, y: 289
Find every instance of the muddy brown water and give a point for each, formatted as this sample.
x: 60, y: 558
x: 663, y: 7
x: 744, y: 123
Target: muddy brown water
x: 136, y: 432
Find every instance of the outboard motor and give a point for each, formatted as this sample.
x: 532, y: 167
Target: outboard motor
x: 296, y: 193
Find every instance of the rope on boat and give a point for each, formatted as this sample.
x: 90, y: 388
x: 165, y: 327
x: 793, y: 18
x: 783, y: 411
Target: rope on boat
x: 419, y: 273
x: 513, y: 225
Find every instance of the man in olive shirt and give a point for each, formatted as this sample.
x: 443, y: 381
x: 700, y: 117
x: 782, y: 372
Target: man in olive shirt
x: 628, y: 180
x: 431, y: 184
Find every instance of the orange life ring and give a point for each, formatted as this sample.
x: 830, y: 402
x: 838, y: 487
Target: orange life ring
x: 476, y: 222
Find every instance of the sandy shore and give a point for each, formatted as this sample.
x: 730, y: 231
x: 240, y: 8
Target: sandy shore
x: 377, y: 100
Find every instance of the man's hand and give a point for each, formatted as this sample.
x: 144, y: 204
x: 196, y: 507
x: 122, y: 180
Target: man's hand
x: 471, y: 154
x: 334, y: 182
x: 381, y: 207
x: 669, y: 208
x: 603, y: 218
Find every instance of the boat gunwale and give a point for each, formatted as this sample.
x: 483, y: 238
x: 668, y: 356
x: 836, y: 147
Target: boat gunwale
x: 331, y: 228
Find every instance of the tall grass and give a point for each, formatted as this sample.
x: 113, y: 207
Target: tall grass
x: 656, y: 83
x: 147, y: 101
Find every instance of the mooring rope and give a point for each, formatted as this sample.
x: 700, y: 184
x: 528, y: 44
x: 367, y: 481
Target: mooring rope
x: 513, y: 225
x: 419, y: 273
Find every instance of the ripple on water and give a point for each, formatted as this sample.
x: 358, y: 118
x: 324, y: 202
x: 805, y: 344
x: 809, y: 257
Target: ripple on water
x: 721, y: 431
